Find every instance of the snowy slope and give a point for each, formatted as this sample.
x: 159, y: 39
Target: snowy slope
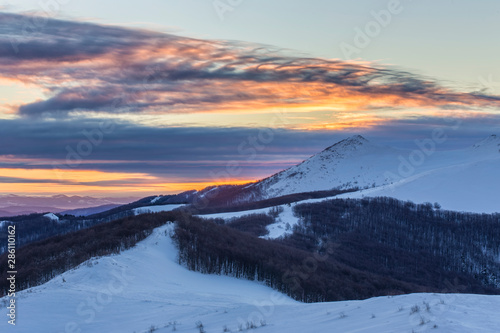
x: 353, y: 162
x: 155, y: 209
x: 52, y: 216
x: 463, y: 180
x: 133, y: 290
x: 145, y: 287
x: 467, y: 188
x: 156, y: 199
x: 4, y: 223
x: 284, y: 224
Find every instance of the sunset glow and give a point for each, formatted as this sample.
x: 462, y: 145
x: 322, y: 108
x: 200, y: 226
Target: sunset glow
x: 106, y: 108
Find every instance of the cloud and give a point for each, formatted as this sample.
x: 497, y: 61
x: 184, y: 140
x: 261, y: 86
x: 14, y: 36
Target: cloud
x: 197, y: 154
x: 34, y: 38
x: 70, y: 100
x: 181, y: 153
x: 108, y: 69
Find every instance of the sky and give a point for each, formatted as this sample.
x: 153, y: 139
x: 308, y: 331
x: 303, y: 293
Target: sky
x: 156, y: 97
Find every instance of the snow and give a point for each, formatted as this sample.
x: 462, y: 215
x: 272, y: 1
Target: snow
x: 155, y: 199
x: 4, y: 223
x: 145, y: 286
x: 141, y: 287
x: 462, y: 180
x: 231, y: 215
x: 90, y: 210
x: 468, y: 188
x: 285, y: 222
x: 276, y: 230
x: 52, y: 216
x: 155, y: 209
x: 491, y: 141
x: 354, y: 162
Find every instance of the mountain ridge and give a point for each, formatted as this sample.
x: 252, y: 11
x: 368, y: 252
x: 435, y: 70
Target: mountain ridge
x: 364, y: 168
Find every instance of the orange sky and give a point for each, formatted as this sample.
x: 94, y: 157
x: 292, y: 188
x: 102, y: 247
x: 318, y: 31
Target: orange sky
x: 60, y: 181
x: 151, y: 84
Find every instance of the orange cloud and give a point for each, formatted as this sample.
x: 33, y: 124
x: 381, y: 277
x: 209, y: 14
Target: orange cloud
x: 44, y: 181
x: 131, y: 71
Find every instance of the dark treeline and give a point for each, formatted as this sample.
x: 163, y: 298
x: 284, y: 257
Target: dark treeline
x: 36, y: 227
x: 124, y: 210
x: 218, y: 203
x: 39, y: 262
x: 254, y: 224
x: 210, y: 248
x: 368, y: 247
x: 342, y: 249
x: 416, y: 243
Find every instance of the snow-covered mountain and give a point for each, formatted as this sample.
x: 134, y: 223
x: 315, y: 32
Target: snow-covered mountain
x: 144, y: 289
x: 464, y: 180
x: 353, y: 162
x: 460, y: 180
x: 490, y: 143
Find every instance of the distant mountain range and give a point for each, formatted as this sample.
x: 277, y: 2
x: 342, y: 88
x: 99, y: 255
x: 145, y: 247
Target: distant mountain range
x: 12, y: 205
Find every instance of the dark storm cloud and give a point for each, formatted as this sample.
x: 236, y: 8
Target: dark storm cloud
x: 198, y: 153
x: 92, y: 101
x: 176, y: 152
x: 27, y: 37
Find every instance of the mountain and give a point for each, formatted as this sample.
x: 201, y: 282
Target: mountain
x: 12, y: 205
x: 490, y: 143
x: 347, y: 165
x: 460, y: 180
x: 463, y: 180
x: 144, y: 289
x: 90, y: 210
x: 351, y: 163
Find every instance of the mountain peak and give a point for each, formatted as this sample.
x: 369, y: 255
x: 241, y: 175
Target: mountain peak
x: 357, y: 138
x: 352, y: 141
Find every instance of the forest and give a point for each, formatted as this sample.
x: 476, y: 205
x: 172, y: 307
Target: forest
x: 404, y: 240
x: 342, y: 249
x: 36, y: 227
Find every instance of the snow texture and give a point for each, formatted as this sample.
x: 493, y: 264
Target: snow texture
x: 155, y: 199
x: 52, y: 216
x: 284, y: 224
x: 461, y: 180
x: 145, y: 287
x: 4, y: 223
x: 155, y: 209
